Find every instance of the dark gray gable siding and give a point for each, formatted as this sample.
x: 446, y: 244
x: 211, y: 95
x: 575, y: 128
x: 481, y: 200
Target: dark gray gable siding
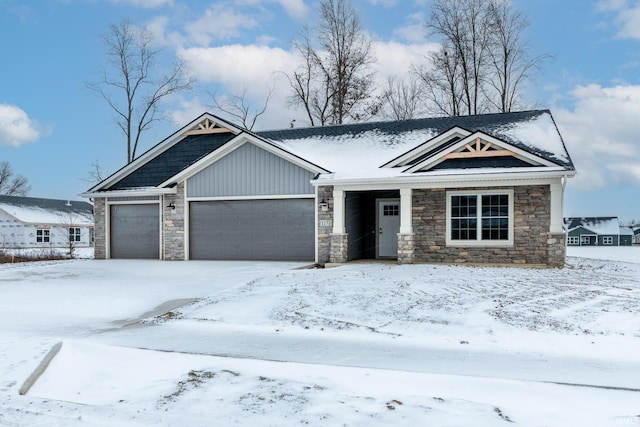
x: 250, y: 171
x: 482, y: 162
x: 576, y: 232
x: 177, y: 158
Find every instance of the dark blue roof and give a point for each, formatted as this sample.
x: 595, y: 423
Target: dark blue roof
x: 177, y: 158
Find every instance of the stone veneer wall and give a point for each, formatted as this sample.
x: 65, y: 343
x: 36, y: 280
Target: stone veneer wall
x: 99, y: 219
x: 173, y: 225
x: 532, y: 243
x: 325, y: 224
x: 406, y: 248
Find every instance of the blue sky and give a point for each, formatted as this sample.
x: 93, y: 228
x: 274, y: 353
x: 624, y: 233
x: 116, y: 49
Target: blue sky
x: 52, y: 128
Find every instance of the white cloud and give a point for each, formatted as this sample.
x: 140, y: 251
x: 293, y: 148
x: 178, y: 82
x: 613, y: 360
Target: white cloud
x: 414, y: 30
x: 294, y: 8
x: 16, y: 128
x: 601, y: 135
x: 219, y: 22
x: 627, y: 16
x: 256, y: 68
x: 396, y: 59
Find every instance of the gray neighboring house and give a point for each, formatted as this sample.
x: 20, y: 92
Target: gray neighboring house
x: 31, y: 222
x: 597, y: 231
x: 477, y: 189
x: 636, y: 235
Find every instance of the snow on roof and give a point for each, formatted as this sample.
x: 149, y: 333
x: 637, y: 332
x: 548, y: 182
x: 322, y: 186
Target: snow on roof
x: 47, y: 211
x: 358, y: 151
x: 626, y: 231
x: 540, y: 134
x: 357, y: 155
x: 597, y: 225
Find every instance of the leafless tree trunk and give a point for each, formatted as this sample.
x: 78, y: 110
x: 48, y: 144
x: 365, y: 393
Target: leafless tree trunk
x: 133, y: 84
x: 12, y: 184
x: 237, y: 107
x: 334, y: 83
x: 442, y: 83
x: 510, y: 60
x: 483, y: 51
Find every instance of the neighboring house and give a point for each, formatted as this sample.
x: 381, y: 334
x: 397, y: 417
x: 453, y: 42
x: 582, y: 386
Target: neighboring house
x: 597, y: 231
x: 626, y: 236
x: 481, y: 189
x: 29, y: 222
x: 636, y: 235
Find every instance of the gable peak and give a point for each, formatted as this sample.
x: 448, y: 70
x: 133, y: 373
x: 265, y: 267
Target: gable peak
x: 207, y: 126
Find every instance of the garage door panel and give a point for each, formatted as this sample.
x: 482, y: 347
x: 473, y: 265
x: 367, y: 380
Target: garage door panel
x: 252, y: 230
x: 134, y: 231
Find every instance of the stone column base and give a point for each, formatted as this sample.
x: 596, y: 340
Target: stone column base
x: 338, y: 248
x: 556, y: 249
x: 405, y: 248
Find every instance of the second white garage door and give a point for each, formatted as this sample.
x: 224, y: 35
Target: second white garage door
x: 281, y: 230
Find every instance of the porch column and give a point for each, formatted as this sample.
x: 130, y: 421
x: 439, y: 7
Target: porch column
x: 338, y: 212
x: 405, y: 236
x: 338, y: 251
x: 406, y: 220
x: 556, y: 240
x: 556, y: 209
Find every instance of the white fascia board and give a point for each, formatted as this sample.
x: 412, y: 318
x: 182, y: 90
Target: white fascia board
x: 138, y: 192
x: 539, y: 177
x: 470, y: 139
x: 159, y: 148
x: 418, y: 151
x: 233, y: 145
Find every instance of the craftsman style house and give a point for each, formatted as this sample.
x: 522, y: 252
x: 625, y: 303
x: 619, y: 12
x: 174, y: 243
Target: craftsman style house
x: 477, y: 189
x: 597, y: 231
x: 31, y: 222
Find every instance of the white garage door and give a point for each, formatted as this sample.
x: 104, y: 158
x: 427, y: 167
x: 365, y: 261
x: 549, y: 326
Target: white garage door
x: 280, y: 230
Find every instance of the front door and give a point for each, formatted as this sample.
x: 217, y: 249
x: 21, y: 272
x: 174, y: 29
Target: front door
x: 388, y: 228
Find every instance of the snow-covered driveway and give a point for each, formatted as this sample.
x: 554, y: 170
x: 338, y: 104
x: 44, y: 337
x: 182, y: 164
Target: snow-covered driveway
x: 364, y: 344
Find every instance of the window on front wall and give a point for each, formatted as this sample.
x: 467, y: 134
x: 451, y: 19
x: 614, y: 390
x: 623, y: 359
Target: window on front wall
x: 480, y: 218
x: 42, y: 235
x: 74, y: 234
x: 607, y: 240
x: 573, y: 240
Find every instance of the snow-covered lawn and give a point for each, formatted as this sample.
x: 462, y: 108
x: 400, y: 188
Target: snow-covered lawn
x: 363, y: 344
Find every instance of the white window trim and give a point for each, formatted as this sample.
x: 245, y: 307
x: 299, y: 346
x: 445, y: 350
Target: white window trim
x: 479, y: 242
x: 44, y: 235
x: 77, y: 234
x: 608, y: 239
x: 573, y: 240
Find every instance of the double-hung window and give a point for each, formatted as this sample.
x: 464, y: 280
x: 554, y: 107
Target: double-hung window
x: 74, y: 234
x: 42, y: 235
x: 573, y: 240
x: 607, y: 240
x: 480, y: 218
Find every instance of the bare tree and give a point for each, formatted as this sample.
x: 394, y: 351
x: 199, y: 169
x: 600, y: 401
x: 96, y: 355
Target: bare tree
x: 95, y: 174
x: 509, y: 56
x: 335, y: 82
x: 133, y: 84
x: 441, y: 83
x: 239, y: 108
x: 484, y: 62
x: 403, y: 97
x: 12, y: 184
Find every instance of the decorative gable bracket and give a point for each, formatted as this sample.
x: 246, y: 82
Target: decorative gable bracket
x: 207, y: 126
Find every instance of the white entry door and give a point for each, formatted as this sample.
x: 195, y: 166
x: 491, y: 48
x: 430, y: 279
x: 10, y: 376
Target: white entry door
x: 388, y: 228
